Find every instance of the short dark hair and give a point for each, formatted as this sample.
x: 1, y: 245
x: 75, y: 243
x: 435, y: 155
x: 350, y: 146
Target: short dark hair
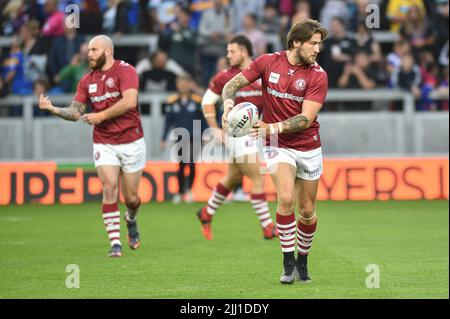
x: 303, y: 31
x: 242, y: 40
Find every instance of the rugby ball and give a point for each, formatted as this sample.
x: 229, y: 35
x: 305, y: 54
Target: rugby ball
x: 241, y: 119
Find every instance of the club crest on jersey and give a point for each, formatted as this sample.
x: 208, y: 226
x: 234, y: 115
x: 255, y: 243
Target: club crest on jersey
x: 110, y: 83
x: 93, y: 88
x: 300, y: 84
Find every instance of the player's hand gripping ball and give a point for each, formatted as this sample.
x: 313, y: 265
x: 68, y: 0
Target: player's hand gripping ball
x: 241, y: 119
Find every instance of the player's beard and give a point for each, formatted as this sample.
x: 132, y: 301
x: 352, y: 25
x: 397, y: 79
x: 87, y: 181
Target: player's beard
x: 238, y: 63
x: 304, y: 59
x: 99, y: 63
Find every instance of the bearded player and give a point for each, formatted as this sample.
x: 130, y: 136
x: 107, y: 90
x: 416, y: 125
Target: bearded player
x: 111, y: 90
x: 242, y: 149
x: 294, y: 90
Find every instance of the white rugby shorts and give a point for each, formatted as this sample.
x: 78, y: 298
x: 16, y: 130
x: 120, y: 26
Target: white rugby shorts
x: 131, y: 157
x: 240, y: 146
x: 309, y: 164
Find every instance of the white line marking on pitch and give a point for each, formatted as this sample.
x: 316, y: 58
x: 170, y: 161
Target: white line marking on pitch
x: 14, y: 219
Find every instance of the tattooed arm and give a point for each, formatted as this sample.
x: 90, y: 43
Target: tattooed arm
x: 71, y: 113
x: 229, y: 94
x: 235, y: 84
x: 296, y: 123
x: 302, y: 121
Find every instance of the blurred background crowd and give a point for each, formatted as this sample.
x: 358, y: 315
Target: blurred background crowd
x: 43, y: 55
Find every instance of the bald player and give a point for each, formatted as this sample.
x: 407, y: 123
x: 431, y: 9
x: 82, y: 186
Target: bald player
x: 111, y: 91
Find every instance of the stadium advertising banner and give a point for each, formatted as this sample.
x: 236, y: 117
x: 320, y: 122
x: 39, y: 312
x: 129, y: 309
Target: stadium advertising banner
x: 343, y: 179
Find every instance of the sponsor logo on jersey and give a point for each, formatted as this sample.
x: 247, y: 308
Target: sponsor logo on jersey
x: 285, y: 95
x: 101, y: 98
x: 93, y: 88
x: 274, y: 77
x: 291, y: 72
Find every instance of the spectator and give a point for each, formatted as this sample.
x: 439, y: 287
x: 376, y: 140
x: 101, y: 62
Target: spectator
x: 71, y: 74
x: 54, y: 25
x: 180, y: 41
x: 242, y: 8
x: 394, y: 59
x: 255, y: 35
x: 115, y: 18
x: 440, y: 25
x: 302, y: 11
x: 443, y: 55
x: 145, y: 64
x: 164, y: 12
x: 215, y: 29
x: 417, y: 31
x: 407, y: 77
x: 331, y: 10
x: 358, y: 74
x: 270, y: 22
x: 286, y: 7
x: 366, y: 43
x: 183, y: 110
x: 13, y: 71
x: 358, y: 13
x: 430, y: 79
x: 397, y: 11
x: 13, y: 17
x: 148, y: 21
x: 316, y: 8
x: 271, y: 25
x: 90, y: 18
x: 63, y: 49
x: 339, y: 49
x: 443, y: 90
x: 35, y: 59
x: 158, y: 79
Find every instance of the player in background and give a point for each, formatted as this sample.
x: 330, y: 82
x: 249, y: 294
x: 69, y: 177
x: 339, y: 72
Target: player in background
x: 111, y: 90
x: 243, y: 149
x: 294, y: 90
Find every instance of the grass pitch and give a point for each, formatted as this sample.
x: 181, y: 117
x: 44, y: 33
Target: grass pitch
x: 407, y: 240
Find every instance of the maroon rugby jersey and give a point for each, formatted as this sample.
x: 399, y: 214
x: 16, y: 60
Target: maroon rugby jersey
x: 285, y: 87
x: 102, y: 89
x: 251, y: 93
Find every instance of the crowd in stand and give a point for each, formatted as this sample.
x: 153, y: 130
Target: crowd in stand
x: 47, y: 56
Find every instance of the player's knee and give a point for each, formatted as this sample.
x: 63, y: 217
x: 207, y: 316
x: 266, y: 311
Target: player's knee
x: 132, y: 201
x: 286, y: 200
x: 110, y: 191
x: 307, y: 209
x: 233, y: 180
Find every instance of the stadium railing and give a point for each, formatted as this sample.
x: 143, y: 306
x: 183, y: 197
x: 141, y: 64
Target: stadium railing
x: 362, y: 134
